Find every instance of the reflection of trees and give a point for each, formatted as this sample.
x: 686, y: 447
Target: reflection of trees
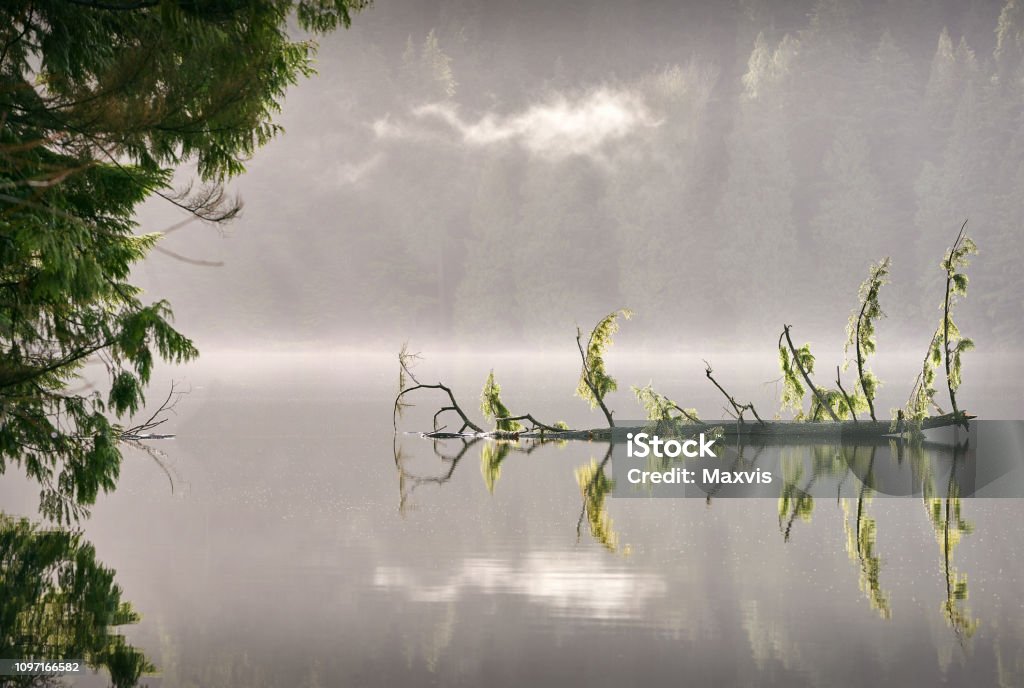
x: 861, y: 540
x: 949, y: 524
x: 595, y: 487
x: 802, y: 467
x: 491, y: 456
x: 59, y: 602
x: 740, y: 463
x: 795, y: 498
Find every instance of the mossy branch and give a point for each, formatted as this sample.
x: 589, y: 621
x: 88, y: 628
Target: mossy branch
x: 799, y: 363
x: 956, y: 285
x: 660, y: 408
x: 860, y: 331
x: 595, y: 382
x: 492, y: 407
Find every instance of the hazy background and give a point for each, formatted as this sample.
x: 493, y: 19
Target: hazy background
x: 467, y: 173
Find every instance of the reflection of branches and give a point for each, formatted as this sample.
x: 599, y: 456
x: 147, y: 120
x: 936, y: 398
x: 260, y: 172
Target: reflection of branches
x: 949, y: 524
x: 826, y: 460
x: 159, y: 457
x: 491, y: 455
x: 595, y: 487
x: 739, y: 464
x: 408, y: 482
x: 795, y: 501
x: 861, y: 541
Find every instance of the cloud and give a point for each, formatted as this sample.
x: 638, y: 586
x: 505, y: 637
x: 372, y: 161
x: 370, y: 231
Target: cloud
x: 347, y: 173
x: 557, y: 128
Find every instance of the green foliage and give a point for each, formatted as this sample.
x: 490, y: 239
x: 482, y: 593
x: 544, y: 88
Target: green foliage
x: 491, y: 456
x: 595, y: 486
x: 793, y: 389
x: 660, y: 408
x: 950, y: 526
x: 861, y: 542
x: 59, y: 602
x: 99, y: 107
x: 860, y: 331
x: 595, y: 382
x: 922, y: 397
x: 836, y: 401
x: 794, y: 501
x: 492, y: 407
x: 947, y: 342
x: 957, y: 259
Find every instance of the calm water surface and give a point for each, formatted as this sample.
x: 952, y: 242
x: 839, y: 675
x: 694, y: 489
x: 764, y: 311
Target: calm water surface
x: 289, y: 538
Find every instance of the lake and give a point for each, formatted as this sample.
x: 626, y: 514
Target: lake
x: 287, y: 537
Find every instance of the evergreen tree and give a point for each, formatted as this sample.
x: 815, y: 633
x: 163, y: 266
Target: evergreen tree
x: 427, y: 71
x: 100, y: 102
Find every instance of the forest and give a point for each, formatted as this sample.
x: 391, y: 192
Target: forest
x: 484, y: 182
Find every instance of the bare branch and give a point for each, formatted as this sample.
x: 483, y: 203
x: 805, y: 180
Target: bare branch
x: 737, y: 407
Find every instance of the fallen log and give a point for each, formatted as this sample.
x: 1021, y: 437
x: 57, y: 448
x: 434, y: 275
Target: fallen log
x: 768, y: 430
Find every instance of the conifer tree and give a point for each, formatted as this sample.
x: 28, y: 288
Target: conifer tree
x: 100, y: 101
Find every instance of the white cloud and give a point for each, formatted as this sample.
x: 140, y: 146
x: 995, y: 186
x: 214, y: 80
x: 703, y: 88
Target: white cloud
x: 347, y: 173
x: 557, y: 128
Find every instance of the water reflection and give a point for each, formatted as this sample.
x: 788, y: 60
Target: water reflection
x: 855, y: 474
x: 565, y: 583
x: 58, y: 602
x: 947, y: 520
x: 861, y: 540
x: 595, y: 486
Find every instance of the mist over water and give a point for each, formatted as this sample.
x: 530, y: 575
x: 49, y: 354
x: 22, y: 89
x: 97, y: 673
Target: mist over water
x: 465, y: 173
x: 479, y: 179
x: 284, y: 538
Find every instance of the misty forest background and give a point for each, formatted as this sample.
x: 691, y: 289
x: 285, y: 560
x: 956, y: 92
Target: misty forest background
x: 475, y: 172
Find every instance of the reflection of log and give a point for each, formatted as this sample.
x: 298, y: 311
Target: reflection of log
x: 768, y: 430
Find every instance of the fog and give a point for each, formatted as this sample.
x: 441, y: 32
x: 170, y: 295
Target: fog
x: 480, y: 175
